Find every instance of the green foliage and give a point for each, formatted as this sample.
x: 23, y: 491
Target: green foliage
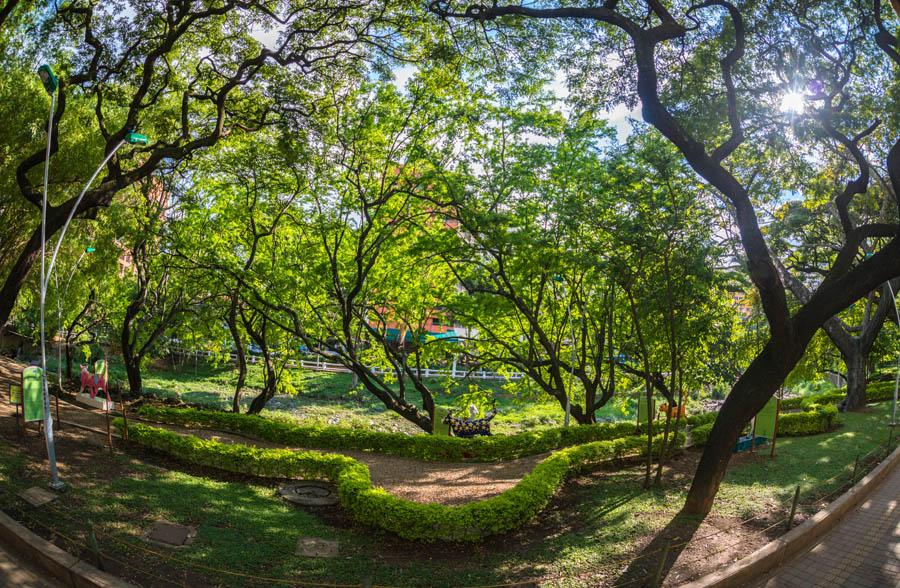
x: 814, y: 419
x: 425, y: 447
x: 376, y: 507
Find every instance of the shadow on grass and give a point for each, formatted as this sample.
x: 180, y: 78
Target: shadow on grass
x: 651, y: 566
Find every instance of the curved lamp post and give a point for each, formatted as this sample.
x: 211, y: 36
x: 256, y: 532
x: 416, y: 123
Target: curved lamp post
x: 51, y: 83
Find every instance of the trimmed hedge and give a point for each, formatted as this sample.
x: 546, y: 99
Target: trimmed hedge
x: 375, y: 506
x: 815, y: 419
x: 424, y: 447
x: 876, y: 391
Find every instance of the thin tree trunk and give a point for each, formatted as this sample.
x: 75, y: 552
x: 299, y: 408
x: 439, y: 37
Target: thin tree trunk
x: 240, y: 354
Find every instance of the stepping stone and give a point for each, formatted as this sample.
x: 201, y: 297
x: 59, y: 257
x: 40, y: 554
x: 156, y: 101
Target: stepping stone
x: 315, y: 547
x: 310, y: 493
x: 171, y: 534
x: 37, y: 496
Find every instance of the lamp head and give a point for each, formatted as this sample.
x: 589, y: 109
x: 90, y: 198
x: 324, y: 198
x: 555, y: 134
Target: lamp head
x: 89, y: 249
x: 48, y: 78
x: 136, y: 138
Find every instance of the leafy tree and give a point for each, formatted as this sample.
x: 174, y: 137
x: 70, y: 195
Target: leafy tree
x: 767, y: 57
x: 187, y: 74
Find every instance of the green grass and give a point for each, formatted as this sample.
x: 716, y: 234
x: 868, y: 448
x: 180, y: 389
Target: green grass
x: 247, y: 528
x: 327, y: 398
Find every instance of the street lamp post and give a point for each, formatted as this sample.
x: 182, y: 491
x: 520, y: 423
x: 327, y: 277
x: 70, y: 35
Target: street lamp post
x: 51, y: 84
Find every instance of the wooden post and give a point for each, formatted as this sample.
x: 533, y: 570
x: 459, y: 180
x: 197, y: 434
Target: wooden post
x: 108, y: 430
x: 775, y: 433
x: 124, y: 415
x: 753, y: 436
x: 18, y: 433
x: 790, y: 521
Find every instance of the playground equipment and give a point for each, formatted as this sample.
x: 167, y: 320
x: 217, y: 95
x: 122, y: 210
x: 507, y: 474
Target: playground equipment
x: 763, y: 429
x: 97, y: 380
x: 470, y: 427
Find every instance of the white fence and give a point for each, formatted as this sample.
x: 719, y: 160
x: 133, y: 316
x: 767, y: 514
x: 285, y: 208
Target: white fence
x: 320, y: 365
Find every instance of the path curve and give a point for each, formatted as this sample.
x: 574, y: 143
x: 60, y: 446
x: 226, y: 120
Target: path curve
x: 862, y: 551
x: 421, y: 481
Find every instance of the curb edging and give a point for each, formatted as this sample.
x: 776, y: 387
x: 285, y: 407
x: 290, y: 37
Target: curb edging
x: 60, y: 564
x: 800, y: 538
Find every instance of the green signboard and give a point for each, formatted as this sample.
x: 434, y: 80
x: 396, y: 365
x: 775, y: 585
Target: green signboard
x: 31, y: 389
x: 441, y: 428
x: 15, y: 394
x: 642, y: 409
x: 766, y: 419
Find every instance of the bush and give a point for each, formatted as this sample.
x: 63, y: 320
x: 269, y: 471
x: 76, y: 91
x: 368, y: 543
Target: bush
x: 700, y: 434
x: 814, y: 419
x: 701, y: 418
x: 424, y: 447
x: 374, y: 506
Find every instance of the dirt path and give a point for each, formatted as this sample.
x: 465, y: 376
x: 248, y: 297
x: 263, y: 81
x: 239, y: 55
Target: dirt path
x: 422, y: 481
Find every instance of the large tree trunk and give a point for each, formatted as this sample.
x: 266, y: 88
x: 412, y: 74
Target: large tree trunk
x: 270, y: 386
x: 750, y: 393
x: 855, y: 363
x: 133, y: 371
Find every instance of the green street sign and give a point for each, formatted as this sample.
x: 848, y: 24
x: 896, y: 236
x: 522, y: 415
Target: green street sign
x: 32, y: 394
x: 15, y: 394
x: 765, y: 420
x: 642, y: 412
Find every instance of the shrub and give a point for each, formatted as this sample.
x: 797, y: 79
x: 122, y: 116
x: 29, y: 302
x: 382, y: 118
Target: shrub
x: 701, y: 418
x: 700, y: 435
x: 375, y: 506
x: 815, y: 419
x: 424, y: 447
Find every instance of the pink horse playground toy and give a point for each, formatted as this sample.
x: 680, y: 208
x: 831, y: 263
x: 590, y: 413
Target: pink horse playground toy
x: 96, y: 380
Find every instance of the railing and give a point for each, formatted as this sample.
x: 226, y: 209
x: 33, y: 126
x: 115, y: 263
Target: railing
x: 320, y: 365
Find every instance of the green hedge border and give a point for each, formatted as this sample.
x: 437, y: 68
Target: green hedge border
x: 375, y: 506
x: 424, y: 447
x: 818, y: 413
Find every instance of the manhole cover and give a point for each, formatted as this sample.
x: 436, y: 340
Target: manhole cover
x: 310, y: 493
x: 171, y: 534
x: 315, y: 547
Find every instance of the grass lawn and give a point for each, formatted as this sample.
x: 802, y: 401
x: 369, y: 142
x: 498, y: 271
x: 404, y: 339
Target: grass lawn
x: 597, y: 518
x: 326, y: 398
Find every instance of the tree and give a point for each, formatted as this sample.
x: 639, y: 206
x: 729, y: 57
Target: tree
x: 656, y: 44
x: 188, y: 74
x: 159, y: 293
x: 533, y: 290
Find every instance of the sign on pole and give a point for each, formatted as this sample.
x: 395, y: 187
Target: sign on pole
x: 32, y: 394
x: 642, y: 412
x: 15, y: 394
x: 765, y: 420
x: 441, y: 428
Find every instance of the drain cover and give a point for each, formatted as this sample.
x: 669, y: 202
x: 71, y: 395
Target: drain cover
x: 310, y: 493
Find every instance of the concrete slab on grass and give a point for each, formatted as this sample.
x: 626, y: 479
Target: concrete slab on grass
x: 171, y: 534
x: 316, y: 547
x: 310, y: 493
x: 37, y: 496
